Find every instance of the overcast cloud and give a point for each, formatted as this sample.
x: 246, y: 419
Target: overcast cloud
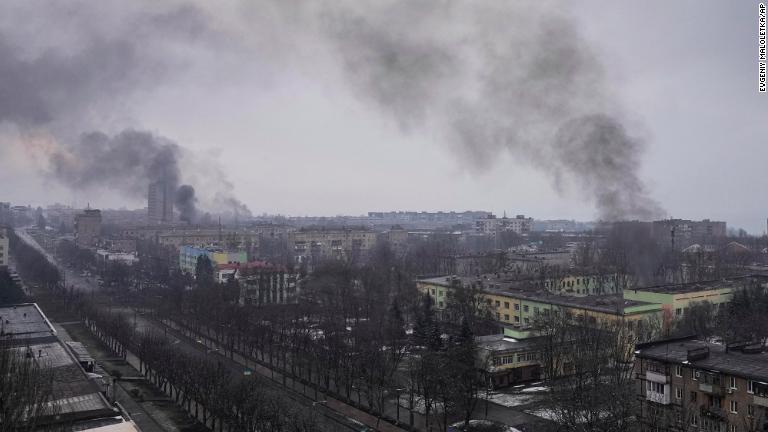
x: 281, y: 97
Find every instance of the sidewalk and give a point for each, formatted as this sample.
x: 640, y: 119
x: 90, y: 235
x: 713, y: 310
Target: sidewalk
x: 138, y: 414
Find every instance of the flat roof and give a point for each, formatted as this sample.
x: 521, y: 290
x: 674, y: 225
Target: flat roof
x: 682, y: 288
x: 610, y: 303
x: 24, y: 321
x: 120, y: 427
x: 501, y: 343
x: 733, y: 362
x: 33, y: 338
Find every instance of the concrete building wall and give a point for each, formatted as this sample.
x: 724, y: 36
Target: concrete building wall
x: 188, y: 256
x: 680, y: 397
x: 160, y: 197
x: 4, y: 247
x: 344, y: 244
x: 88, y: 227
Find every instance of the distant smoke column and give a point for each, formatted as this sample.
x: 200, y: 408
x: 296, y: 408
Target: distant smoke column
x: 160, y: 197
x: 186, y: 203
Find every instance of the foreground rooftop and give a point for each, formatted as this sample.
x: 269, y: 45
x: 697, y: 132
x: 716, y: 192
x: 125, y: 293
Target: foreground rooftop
x: 749, y: 361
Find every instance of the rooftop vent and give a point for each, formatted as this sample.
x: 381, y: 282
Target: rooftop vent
x: 698, y: 353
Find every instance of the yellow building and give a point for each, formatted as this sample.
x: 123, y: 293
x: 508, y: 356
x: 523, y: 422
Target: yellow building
x: 677, y: 298
x: 516, y: 305
x: 514, y: 355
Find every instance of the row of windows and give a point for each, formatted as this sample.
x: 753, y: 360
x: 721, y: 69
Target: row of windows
x: 522, y: 357
x: 752, y: 386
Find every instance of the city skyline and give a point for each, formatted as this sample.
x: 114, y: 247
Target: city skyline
x: 297, y: 142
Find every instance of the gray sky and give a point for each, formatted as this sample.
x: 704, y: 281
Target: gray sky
x: 270, y: 94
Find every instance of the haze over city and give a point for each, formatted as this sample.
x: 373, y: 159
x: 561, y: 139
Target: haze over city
x: 383, y: 216
x: 270, y: 105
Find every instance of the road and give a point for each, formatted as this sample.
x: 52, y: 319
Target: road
x: 331, y: 419
x: 336, y: 413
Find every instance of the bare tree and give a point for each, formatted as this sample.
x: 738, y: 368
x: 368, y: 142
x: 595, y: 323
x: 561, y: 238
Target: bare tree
x: 588, y: 366
x: 26, y: 388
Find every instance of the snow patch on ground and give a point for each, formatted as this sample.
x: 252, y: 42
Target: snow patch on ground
x: 476, y: 423
x: 534, y: 390
x: 543, y: 413
x: 510, y: 400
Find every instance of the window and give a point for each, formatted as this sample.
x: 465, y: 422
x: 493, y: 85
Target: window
x: 693, y: 396
x: 654, y: 387
x: 517, y: 319
x: 695, y: 420
x: 527, y: 320
x: 535, y: 310
x: 498, y: 303
x: 678, y: 311
x: 734, y: 407
x: 678, y: 371
x: 732, y: 382
x: 517, y: 306
x: 750, y: 386
x: 525, y: 308
x: 441, y: 293
x: 751, y: 410
x: 506, y: 305
x: 440, y: 304
x: 506, y: 317
x: 498, y: 316
x: 696, y: 375
x: 678, y: 393
x: 433, y: 291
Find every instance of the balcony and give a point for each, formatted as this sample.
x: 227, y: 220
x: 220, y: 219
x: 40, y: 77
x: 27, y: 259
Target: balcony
x: 713, y: 389
x: 656, y: 377
x: 713, y: 411
x: 760, y: 400
x: 659, y: 398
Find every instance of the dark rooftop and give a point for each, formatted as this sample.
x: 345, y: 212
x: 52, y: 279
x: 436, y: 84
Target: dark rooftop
x: 608, y: 303
x: 24, y: 321
x: 33, y: 337
x: 730, y: 283
x: 732, y: 361
x: 501, y: 343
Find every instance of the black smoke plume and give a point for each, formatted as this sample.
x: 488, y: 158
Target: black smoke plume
x: 496, y: 77
x: 186, y: 203
x: 128, y: 162
x: 56, y: 89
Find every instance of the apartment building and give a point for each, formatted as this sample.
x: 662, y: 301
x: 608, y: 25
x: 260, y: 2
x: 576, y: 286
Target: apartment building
x: 88, y: 227
x: 262, y: 284
x: 313, y: 245
x: 160, y: 197
x: 687, y: 384
x: 492, y: 225
x: 681, y: 233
